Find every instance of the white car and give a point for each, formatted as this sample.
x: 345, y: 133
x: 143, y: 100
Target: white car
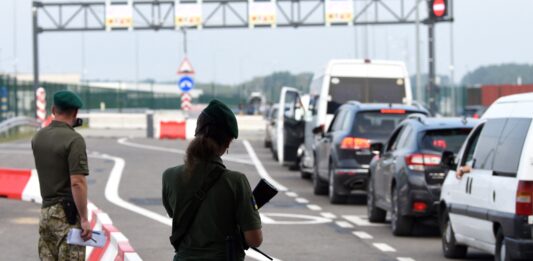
x: 490, y: 207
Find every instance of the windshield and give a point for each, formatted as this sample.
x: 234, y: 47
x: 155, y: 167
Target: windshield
x: 365, y: 90
x: 441, y: 140
x: 377, y: 125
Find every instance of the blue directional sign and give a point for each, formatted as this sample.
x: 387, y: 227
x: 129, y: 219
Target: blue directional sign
x: 186, y: 83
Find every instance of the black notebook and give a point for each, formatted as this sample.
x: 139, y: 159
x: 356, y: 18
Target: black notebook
x: 264, y: 192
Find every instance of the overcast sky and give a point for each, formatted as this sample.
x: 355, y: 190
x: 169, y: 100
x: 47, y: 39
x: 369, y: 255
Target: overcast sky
x: 486, y: 32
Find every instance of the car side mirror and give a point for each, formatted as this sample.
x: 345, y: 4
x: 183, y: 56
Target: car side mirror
x: 318, y: 130
x: 447, y: 160
x: 376, y: 148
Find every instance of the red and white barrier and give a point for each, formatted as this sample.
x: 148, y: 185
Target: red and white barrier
x: 23, y: 184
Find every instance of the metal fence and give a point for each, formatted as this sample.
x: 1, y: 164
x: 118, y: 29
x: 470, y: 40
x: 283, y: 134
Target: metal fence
x: 19, y: 98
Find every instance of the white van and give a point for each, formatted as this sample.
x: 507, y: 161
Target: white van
x: 491, y: 207
x: 365, y: 81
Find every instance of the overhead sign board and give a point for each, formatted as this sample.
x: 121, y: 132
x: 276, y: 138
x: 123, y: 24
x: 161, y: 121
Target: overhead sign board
x: 261, y: 13
x: 338, y: 11
x: 188, y: 15
x: 118, y: 15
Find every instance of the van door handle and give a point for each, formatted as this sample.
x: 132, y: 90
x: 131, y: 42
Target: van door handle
x: 467, y: 184
x: 470, y: 188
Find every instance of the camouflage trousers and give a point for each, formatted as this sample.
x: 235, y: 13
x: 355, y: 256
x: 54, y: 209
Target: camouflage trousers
x: 53, y: 230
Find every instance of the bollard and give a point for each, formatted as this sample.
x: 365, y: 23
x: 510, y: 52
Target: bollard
x: 150, y: 124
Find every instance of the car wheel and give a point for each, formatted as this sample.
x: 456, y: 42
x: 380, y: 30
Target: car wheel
x: 334, y: 197
x: 319, y: 186
x: 501, y: 253
x: 401, y: 225
x: 450, y: 248
x: 375, y: 214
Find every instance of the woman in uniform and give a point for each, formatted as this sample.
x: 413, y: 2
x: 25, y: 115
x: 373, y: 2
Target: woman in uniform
x: 226, y: 217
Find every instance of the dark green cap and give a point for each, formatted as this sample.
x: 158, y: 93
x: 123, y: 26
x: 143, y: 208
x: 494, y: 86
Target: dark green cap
x: 223, y: 116
x: 67, y: 100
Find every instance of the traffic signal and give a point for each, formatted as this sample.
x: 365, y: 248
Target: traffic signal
x: 438, y: 9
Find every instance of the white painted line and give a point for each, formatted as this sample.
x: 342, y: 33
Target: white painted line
x: 314, y: 207
x: 362, y: 221
x: 362, y: 235
x: 384, y: 247
x: 125, y: 142
x: 328, y: 215
x: 292, y: 219
x: 302, y: 200
x: 404, y: 259
x: 344, y: 224
x: 111, y: 194
x: 291, y: 194
x: 260, y: 168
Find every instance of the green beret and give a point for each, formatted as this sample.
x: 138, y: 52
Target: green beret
x: 223, y: 116
x: 67, y: 100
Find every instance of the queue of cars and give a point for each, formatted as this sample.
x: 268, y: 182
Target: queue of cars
x: 350, y: 142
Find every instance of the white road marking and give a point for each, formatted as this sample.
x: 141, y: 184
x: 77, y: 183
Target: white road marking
x: 328, y: 215
x: 125, y: 142
x: 260, y: 168
x: 362, y: 235
x: 384, y: 247
x: 362, y: 221
x: 404, y: 259
x: 292, y: 219
x: 111, y: 194
x: 314, y: 207
x: 302, y: 200
x: 291, y: 194
x: 344, y: 224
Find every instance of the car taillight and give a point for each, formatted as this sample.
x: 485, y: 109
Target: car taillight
x: 524, y: 198
x: 353, y: 143
x: 419, y: 161
x: 419, y: 206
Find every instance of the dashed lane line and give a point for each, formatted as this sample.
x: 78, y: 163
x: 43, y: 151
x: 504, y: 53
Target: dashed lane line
x: 302, y: 200
x: 314, y: 207
x: 384, y: 247
x: 343, y: 224
x: 361, y: 221
x: 328, y: 215
x: 404, y: 259
x: 291, y: 194
x: 362, y: 235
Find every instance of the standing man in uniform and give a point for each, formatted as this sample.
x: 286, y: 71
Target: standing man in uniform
x: 61, y: 162
x: 227, y: 218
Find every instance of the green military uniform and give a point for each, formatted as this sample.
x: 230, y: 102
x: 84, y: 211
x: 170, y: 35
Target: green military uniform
x: 59, y: 152
x: 228, y: 205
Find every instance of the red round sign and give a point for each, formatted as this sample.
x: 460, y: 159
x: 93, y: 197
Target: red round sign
x: 439, y: 8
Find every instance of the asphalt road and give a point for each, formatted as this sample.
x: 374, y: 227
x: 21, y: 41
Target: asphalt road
x: 297, y: 225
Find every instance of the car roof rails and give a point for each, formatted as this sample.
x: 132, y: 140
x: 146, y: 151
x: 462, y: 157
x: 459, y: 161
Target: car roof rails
x: 417, y: 116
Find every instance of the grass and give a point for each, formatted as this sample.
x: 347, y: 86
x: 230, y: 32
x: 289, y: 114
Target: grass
x: 18, y: 135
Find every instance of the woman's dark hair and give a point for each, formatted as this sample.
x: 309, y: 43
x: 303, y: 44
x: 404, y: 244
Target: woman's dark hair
x: 209, y: 139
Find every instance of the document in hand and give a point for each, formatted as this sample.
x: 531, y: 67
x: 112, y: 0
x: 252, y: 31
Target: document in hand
x: 263, y: 193
x: 74, y: 238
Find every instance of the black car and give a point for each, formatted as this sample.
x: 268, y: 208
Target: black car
x: 342, y: 153
x: 407, y: 174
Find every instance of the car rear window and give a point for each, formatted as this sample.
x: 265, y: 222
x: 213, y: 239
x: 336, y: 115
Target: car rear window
x: 441, y: 140
x: 378, y: 124
x: 365, y: 90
